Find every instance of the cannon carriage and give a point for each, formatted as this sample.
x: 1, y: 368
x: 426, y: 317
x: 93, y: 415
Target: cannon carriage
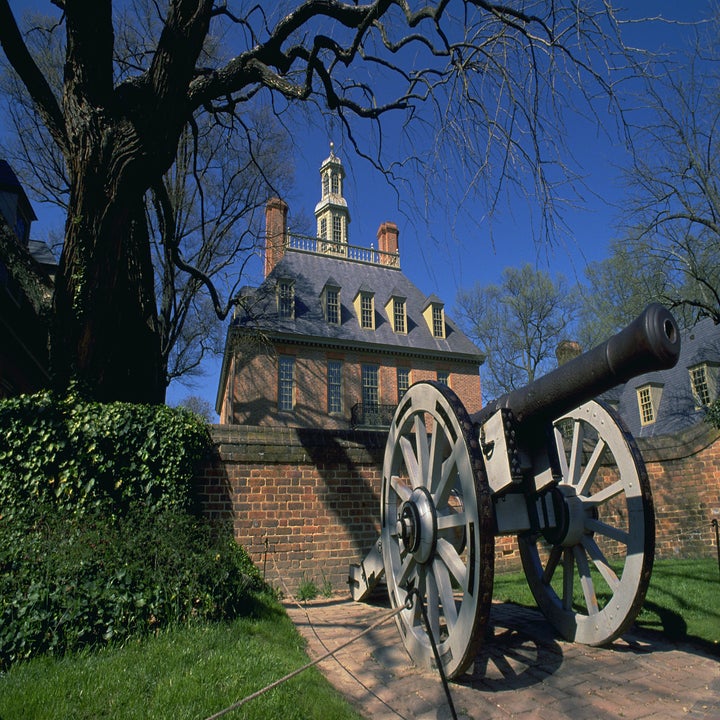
x: 548, y: 464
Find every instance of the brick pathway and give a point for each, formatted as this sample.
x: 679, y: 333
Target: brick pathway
x: 523, y: 671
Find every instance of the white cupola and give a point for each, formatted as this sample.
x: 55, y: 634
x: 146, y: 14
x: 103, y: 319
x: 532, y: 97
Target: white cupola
x: 332, y: 212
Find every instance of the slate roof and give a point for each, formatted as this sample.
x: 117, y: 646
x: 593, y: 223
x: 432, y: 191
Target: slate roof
x: 311, y: 272
x: 677, y: 409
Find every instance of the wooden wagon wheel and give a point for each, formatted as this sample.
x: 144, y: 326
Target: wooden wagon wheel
x: 437, y: 526
x: 590, y: 575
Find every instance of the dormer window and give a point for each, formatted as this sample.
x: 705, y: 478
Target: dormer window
x: 703, y: 384
x: 331, y: 304
x: 648, y: 402
x: 365, y: 309
x: 286, y: 298
x: 396, y: 310
x: 434, y: 314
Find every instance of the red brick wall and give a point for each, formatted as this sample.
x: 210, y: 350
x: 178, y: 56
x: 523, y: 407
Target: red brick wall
x: 314, y: 497
x: 255, y: 385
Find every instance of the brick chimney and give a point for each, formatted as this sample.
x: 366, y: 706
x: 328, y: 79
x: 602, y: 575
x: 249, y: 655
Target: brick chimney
x: 276, y: 212
x: 387, y: 236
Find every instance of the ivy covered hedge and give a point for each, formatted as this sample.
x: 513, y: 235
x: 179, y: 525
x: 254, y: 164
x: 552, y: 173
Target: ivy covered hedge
x: 98, y: 538
x: 92, y: 456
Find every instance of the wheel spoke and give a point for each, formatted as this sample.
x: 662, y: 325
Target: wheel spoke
x: 444, y: 585
x: 423, y: 449
x: 576, y: 453
x: 600, y: 562
x: 448, y: 476
x: 590, y: 471
x: 568, y: 578
x: 400, y: 488
x: 552, y: 563
x: 408, y: 564
x: 617, y: 534
x: 438, y: 448
x: 433, y: 605
x: 411, y: 462
x: 562, y: 456
x: 607, y: 493
x: 586, y: 582
x: 447, y: 553
x: 451, y: 521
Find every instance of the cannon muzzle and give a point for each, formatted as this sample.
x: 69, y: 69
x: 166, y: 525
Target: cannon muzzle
x: 650, y: 342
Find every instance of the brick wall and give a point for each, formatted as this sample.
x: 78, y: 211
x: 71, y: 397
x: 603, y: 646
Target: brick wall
x: 306, y: 503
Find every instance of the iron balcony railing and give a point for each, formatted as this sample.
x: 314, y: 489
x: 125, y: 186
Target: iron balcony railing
x: 371, y: 416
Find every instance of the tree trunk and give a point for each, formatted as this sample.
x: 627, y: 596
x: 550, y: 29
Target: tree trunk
x: 106, y: 336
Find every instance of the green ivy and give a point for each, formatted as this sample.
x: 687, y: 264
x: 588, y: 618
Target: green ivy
x: 712, y: 414
x: 84, y: 455
x: 98, y: 540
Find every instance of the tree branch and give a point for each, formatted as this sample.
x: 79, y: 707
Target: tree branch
x: 22, y: 62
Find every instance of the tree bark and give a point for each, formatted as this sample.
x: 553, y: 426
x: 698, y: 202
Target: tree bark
x: 106, y: 336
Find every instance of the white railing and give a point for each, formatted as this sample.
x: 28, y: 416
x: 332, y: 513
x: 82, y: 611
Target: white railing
x: 308, y: 244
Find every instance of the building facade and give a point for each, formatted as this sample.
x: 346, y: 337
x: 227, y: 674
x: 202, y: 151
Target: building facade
x: 336, y: 333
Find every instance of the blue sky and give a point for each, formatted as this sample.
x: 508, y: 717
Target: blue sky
x: 434, y: 258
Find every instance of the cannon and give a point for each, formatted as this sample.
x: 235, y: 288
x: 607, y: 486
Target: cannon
x: 549, y: 464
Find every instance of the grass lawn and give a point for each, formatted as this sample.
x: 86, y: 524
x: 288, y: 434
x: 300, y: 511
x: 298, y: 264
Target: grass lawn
x: 190, y: 672
x: 681, y: 602
x: 196, y: 671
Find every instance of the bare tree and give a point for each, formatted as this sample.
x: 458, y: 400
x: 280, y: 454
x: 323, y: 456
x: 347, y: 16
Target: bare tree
x: 518, y: 325
x: 486, y: 78
x: 205, y: 209
x: 674, y: 202
x: 618, y: 289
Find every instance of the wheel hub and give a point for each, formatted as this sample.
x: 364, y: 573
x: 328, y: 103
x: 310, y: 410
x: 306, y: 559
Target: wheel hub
x: 571, y: 513
x: 417, y: 525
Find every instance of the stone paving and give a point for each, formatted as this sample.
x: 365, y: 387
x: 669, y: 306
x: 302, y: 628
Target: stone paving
x: 523, y: 671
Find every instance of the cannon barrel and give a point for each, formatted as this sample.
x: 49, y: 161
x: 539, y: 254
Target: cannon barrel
x: 650, y: 342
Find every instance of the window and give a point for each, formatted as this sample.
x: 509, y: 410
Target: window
x: 326, y: 185
x: 366, y: 311
x: 434, y: 315
x: 699, y: 382
x: 399, y: 315
x: 335, y: 183
x: 337, y: 228
x: 649, y: 397
x: 334, y: 386
x: 323, y: 228
x: 438, y: 324
x: 286, y: 383
x: 370, y: 388
x: 286, y: 299
x: 364, y: 305
x: 403, y: 381
x: 332, y: 305
x: 443, y: 376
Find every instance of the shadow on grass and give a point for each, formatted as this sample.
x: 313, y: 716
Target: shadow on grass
x: 669, y: 625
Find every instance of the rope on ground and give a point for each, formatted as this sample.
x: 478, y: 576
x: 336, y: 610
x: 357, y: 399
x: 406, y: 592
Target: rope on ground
x: 302, y: 607
x: 389, y: 616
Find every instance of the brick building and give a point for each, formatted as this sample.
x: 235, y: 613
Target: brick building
x: 336, y: 333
